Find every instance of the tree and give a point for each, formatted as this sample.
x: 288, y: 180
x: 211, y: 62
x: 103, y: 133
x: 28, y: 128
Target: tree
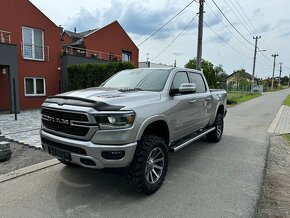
x: 208, y: 71
x: 221, y: 76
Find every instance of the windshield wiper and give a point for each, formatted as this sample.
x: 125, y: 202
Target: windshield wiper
x: 130, y: 89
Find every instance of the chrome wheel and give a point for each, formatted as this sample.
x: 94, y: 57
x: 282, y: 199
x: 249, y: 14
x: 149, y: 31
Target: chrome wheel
x: 154, y: 165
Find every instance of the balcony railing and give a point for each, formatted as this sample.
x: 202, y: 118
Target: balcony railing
x: 5, y: 37
x: 35, y: 52
x: 75, y: 51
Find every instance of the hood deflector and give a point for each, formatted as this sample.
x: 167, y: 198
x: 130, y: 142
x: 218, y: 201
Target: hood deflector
x: 76, y: 101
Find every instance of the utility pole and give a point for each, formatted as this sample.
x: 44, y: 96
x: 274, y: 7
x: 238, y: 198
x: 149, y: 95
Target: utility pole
x: 254, y: 64
x: 147, y: 60
x: 289, y: 80
x: 279, y: 83
x: 200, y: 32
x: 274, y: 56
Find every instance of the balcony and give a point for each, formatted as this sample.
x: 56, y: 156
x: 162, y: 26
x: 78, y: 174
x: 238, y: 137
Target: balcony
x: 5, y: 37
x: 97, y: 55
x: 34, y: 52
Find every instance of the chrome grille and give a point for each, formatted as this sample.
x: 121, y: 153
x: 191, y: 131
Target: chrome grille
x: 63, y: 124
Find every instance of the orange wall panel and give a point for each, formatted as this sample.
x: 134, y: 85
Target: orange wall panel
x: 19, y: 13
x: 112, y: 39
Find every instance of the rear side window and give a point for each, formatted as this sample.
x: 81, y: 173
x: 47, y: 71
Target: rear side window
x: 198, y: 80
x: 180, y: 77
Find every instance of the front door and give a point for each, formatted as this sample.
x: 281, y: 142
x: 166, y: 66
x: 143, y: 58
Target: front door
x: 182, y: 108
x: 4, y: 88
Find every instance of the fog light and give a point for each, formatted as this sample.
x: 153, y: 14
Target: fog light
x: 113, y: 155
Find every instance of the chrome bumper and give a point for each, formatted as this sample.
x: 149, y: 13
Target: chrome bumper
x: 93, y: 152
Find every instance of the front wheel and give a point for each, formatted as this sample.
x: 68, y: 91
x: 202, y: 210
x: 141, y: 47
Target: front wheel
x: 149, y: 166
x: 216, y: 135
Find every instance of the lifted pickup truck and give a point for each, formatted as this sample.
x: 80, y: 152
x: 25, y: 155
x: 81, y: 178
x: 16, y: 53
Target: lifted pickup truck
x: 133, y: 120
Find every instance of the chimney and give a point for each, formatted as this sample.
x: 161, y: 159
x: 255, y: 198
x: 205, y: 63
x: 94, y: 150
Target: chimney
x: 75, y: 29
x: 60, y: 29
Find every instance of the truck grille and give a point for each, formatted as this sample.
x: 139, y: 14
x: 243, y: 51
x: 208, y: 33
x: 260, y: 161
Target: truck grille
x: 60, y: 121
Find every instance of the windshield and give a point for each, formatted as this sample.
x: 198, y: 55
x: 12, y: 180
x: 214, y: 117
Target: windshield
x: 139, y: 79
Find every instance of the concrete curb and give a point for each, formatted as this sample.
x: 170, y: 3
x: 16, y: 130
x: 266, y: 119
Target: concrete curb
x: 27, y: 170
x: 276, y: 120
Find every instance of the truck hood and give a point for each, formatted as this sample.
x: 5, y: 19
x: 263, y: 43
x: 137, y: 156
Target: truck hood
x: 111, y: 96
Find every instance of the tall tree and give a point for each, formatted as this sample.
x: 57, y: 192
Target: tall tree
x: 208, y: 71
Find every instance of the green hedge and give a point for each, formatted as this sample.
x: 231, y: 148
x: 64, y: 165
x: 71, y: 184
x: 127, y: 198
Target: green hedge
x: 82, y: 76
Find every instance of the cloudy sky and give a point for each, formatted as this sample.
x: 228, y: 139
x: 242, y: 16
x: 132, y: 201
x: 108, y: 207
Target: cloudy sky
x: 269, y: 19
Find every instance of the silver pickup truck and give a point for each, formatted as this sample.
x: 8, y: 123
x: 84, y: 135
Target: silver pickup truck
x: 133, y: 120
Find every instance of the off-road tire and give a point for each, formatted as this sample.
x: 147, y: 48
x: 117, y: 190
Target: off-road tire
x: 137, y: 171
x: 69, y: 164
x: 216, y: 135
x: 5, y: 155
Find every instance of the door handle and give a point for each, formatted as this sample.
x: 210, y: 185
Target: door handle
x: 209, y: 98
x: 192, y: 101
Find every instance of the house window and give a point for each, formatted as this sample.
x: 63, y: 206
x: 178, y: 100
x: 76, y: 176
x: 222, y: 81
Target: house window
x: 33, y: 45
x: 126, y: 56
x: 34, y: 86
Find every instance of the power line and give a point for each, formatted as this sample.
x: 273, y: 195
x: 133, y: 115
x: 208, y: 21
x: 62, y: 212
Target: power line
x: 160, y: 28
x: 175, y: 38
x: 226, y: 41
x: 241, y: 22
x: 231, y: 23
x: 254, y: 29
x: 226, y: 26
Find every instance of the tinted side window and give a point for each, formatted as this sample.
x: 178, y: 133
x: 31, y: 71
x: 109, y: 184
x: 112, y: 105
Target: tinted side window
x: 198, y: 80
x: 180, y: 77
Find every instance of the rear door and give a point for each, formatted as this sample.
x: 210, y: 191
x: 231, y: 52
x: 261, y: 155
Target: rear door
x: 202, y: 101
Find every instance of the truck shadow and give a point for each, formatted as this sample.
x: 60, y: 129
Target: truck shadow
x: 90, y: 191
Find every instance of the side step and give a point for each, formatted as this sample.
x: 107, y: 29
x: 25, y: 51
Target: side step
x: 193, y: 137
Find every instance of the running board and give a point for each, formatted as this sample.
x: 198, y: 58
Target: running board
x: 190, y: 140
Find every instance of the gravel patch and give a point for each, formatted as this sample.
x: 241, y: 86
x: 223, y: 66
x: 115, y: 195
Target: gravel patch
x: 23, y: 156
x: 275, y: 195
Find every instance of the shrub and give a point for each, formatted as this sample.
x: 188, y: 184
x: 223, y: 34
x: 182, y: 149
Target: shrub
x: 231, y: 101
x: 82, y: 76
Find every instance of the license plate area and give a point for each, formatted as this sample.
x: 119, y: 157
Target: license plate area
x: 59, y: 153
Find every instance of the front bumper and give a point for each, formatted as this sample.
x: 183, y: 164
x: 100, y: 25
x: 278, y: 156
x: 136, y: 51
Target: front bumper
x: 88, y: 154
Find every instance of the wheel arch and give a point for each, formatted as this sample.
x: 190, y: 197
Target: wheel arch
x: 156, y: 125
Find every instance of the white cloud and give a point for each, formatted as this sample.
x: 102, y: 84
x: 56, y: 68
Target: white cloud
x: 141, y: 18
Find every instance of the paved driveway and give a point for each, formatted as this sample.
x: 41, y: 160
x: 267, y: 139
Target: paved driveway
x: 204, y: 179
x: 25, y: 129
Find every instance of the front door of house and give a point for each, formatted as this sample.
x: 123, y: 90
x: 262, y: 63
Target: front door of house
x: 4, y: 88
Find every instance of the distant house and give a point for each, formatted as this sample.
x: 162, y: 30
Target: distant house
x: 238, y: 77
x: 29, y: 56
x: 103, y: 45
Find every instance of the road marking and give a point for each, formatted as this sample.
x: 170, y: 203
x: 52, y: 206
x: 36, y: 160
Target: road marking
x: 27, y: 170
x: 276, y: 120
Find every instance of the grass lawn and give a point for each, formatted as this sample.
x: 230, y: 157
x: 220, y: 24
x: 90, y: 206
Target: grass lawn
x: 237, y: 98
x: 287, y: 101
x: 287, y: 137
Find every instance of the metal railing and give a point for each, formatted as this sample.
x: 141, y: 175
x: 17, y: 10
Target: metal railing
x: 5, y: 37
x: 75, y: 51
x: 35, y: 52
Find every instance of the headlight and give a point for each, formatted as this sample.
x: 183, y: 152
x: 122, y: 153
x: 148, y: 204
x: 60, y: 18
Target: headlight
x: 115, y: 121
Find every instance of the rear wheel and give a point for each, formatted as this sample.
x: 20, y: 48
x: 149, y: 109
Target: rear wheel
x: 149, y: 166
x: 216, y: 135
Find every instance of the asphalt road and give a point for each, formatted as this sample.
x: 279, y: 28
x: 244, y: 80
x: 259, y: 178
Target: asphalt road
x: 204, y: 179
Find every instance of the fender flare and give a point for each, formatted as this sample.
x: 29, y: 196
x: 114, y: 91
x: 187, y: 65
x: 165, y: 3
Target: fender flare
x: 150, y: 120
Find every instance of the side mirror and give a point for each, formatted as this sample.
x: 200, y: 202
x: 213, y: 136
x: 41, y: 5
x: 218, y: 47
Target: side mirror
x: 187, y: 88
